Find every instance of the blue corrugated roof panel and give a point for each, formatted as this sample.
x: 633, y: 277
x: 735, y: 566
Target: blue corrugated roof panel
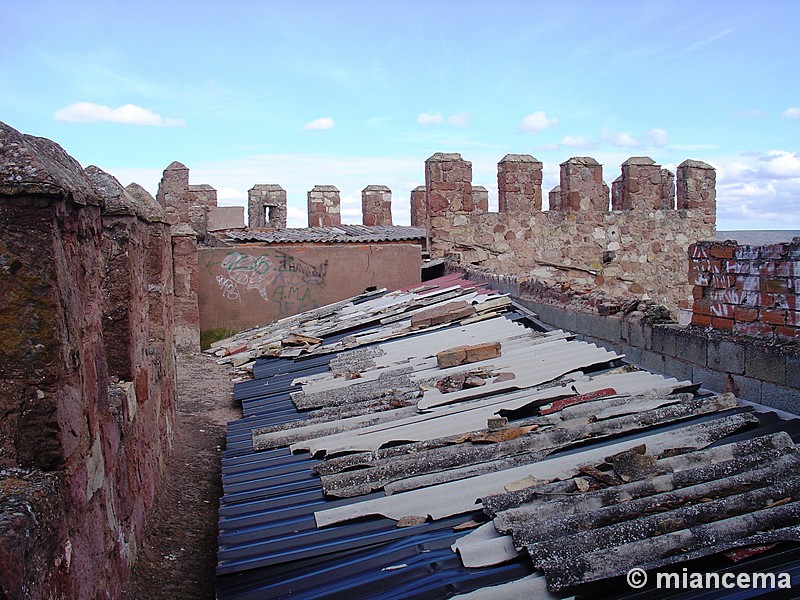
x: 271, y: 547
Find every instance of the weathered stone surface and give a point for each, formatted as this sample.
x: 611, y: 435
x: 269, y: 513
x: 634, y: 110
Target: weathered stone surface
x: 418, y: 206
x: 376, y: 205
x: 177, y: 197
x: 519, y: 184
x: 445, y: 313
x: 579, y: 248
x: 186, y: 311
x: 75, y: 310
x: 324, y: 206
x: 462, y: 355
x: 266, y: 206
x: 38, y: 166
x: 582, y: 187
x: 150, y: 210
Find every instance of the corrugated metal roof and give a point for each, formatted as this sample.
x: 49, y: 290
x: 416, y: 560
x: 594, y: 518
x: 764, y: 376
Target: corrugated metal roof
x: 580, y: 443
x: 337, y: 234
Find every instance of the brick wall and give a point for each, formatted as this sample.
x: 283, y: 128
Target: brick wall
x: 750, y: 290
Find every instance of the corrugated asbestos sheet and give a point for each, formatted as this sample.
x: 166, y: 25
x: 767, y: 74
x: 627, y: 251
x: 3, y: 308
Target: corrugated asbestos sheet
x: 339, y: 234
x: 435, y: 442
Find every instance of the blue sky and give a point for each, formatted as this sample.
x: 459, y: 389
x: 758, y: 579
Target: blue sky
x: 356, y: 93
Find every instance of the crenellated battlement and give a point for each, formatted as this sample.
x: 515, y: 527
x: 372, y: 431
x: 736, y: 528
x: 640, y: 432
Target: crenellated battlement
x: 630, y: 238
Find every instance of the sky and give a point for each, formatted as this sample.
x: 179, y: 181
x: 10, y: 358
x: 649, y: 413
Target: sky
x: 354, y: 93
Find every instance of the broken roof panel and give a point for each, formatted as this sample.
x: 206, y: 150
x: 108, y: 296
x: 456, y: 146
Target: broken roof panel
x: 538, y: 437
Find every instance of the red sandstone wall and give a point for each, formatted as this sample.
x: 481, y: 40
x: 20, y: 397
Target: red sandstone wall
x: 245, y: 286
x: 747, y: 289
x: 87, y: 409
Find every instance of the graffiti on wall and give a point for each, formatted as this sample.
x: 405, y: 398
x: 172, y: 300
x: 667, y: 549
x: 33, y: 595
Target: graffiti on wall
x: 277, y: 277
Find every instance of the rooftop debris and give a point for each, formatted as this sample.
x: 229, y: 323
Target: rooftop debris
x: 582, y: 467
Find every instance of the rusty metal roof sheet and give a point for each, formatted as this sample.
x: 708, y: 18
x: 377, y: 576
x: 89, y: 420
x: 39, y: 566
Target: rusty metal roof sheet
x: 337, y: 234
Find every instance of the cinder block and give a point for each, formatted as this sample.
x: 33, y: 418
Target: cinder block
x: 664, y: 339
x: 613, y: 329
x: 766, y: 364
x: 675, y: 367
x: 598, y: 326
x: 567, y: 320
x: 726, y: 355
x: 652, y: 361
x: 747, y: 388
x: 780, y: 397
x: 711, y: 380
x: 632, y: 354
x: 691, y: 346
x: 634, y: 328
x: 584, y: 323
x: 793, y: 371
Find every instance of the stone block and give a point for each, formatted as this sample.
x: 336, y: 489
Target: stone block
x: 452, y: 311
x: 461, y: 355
x: 677, y: 368
x: 653, y: 361
x: 766, y: 364
x: 746, y: 388
x: 692, y: 346
x: 726, y: 355
x: 583, y: 323
x: 709, y: 379
x: 793, y: 371
x: 780, y: 397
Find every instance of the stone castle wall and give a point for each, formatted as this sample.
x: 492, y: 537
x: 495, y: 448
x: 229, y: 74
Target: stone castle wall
x: 87, y: 373
x: 579, y: 244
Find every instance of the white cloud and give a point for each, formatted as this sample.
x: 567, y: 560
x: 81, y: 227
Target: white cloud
x: 621, y: 139
x: 758, y: 190
x: 459, y: 120
x: 570, y: 141
x: 537, y: 121
x: 320, y: 124
x: 430, y: 118
x: 129, y: 114
x: 658, y: 137
x: 792, y: 113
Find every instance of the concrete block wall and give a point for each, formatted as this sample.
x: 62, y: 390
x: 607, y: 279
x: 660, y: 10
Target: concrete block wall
x: 87, y: 386
x: 751, y: 290
x: 578, y: 245
x: 753, y: 369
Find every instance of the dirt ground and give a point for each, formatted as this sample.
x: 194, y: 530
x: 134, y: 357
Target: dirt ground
x: 178, y: 555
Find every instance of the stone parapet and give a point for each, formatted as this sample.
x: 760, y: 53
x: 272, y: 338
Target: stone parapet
x: 266, y: 206
x: 324, y: 208
x: 637, y: 249
x: 519, y: 184
x: 418, y: 206
x: 376, y: 205
x: 88, y: 404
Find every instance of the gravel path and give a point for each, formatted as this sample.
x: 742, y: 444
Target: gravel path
x: 178, y: 556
